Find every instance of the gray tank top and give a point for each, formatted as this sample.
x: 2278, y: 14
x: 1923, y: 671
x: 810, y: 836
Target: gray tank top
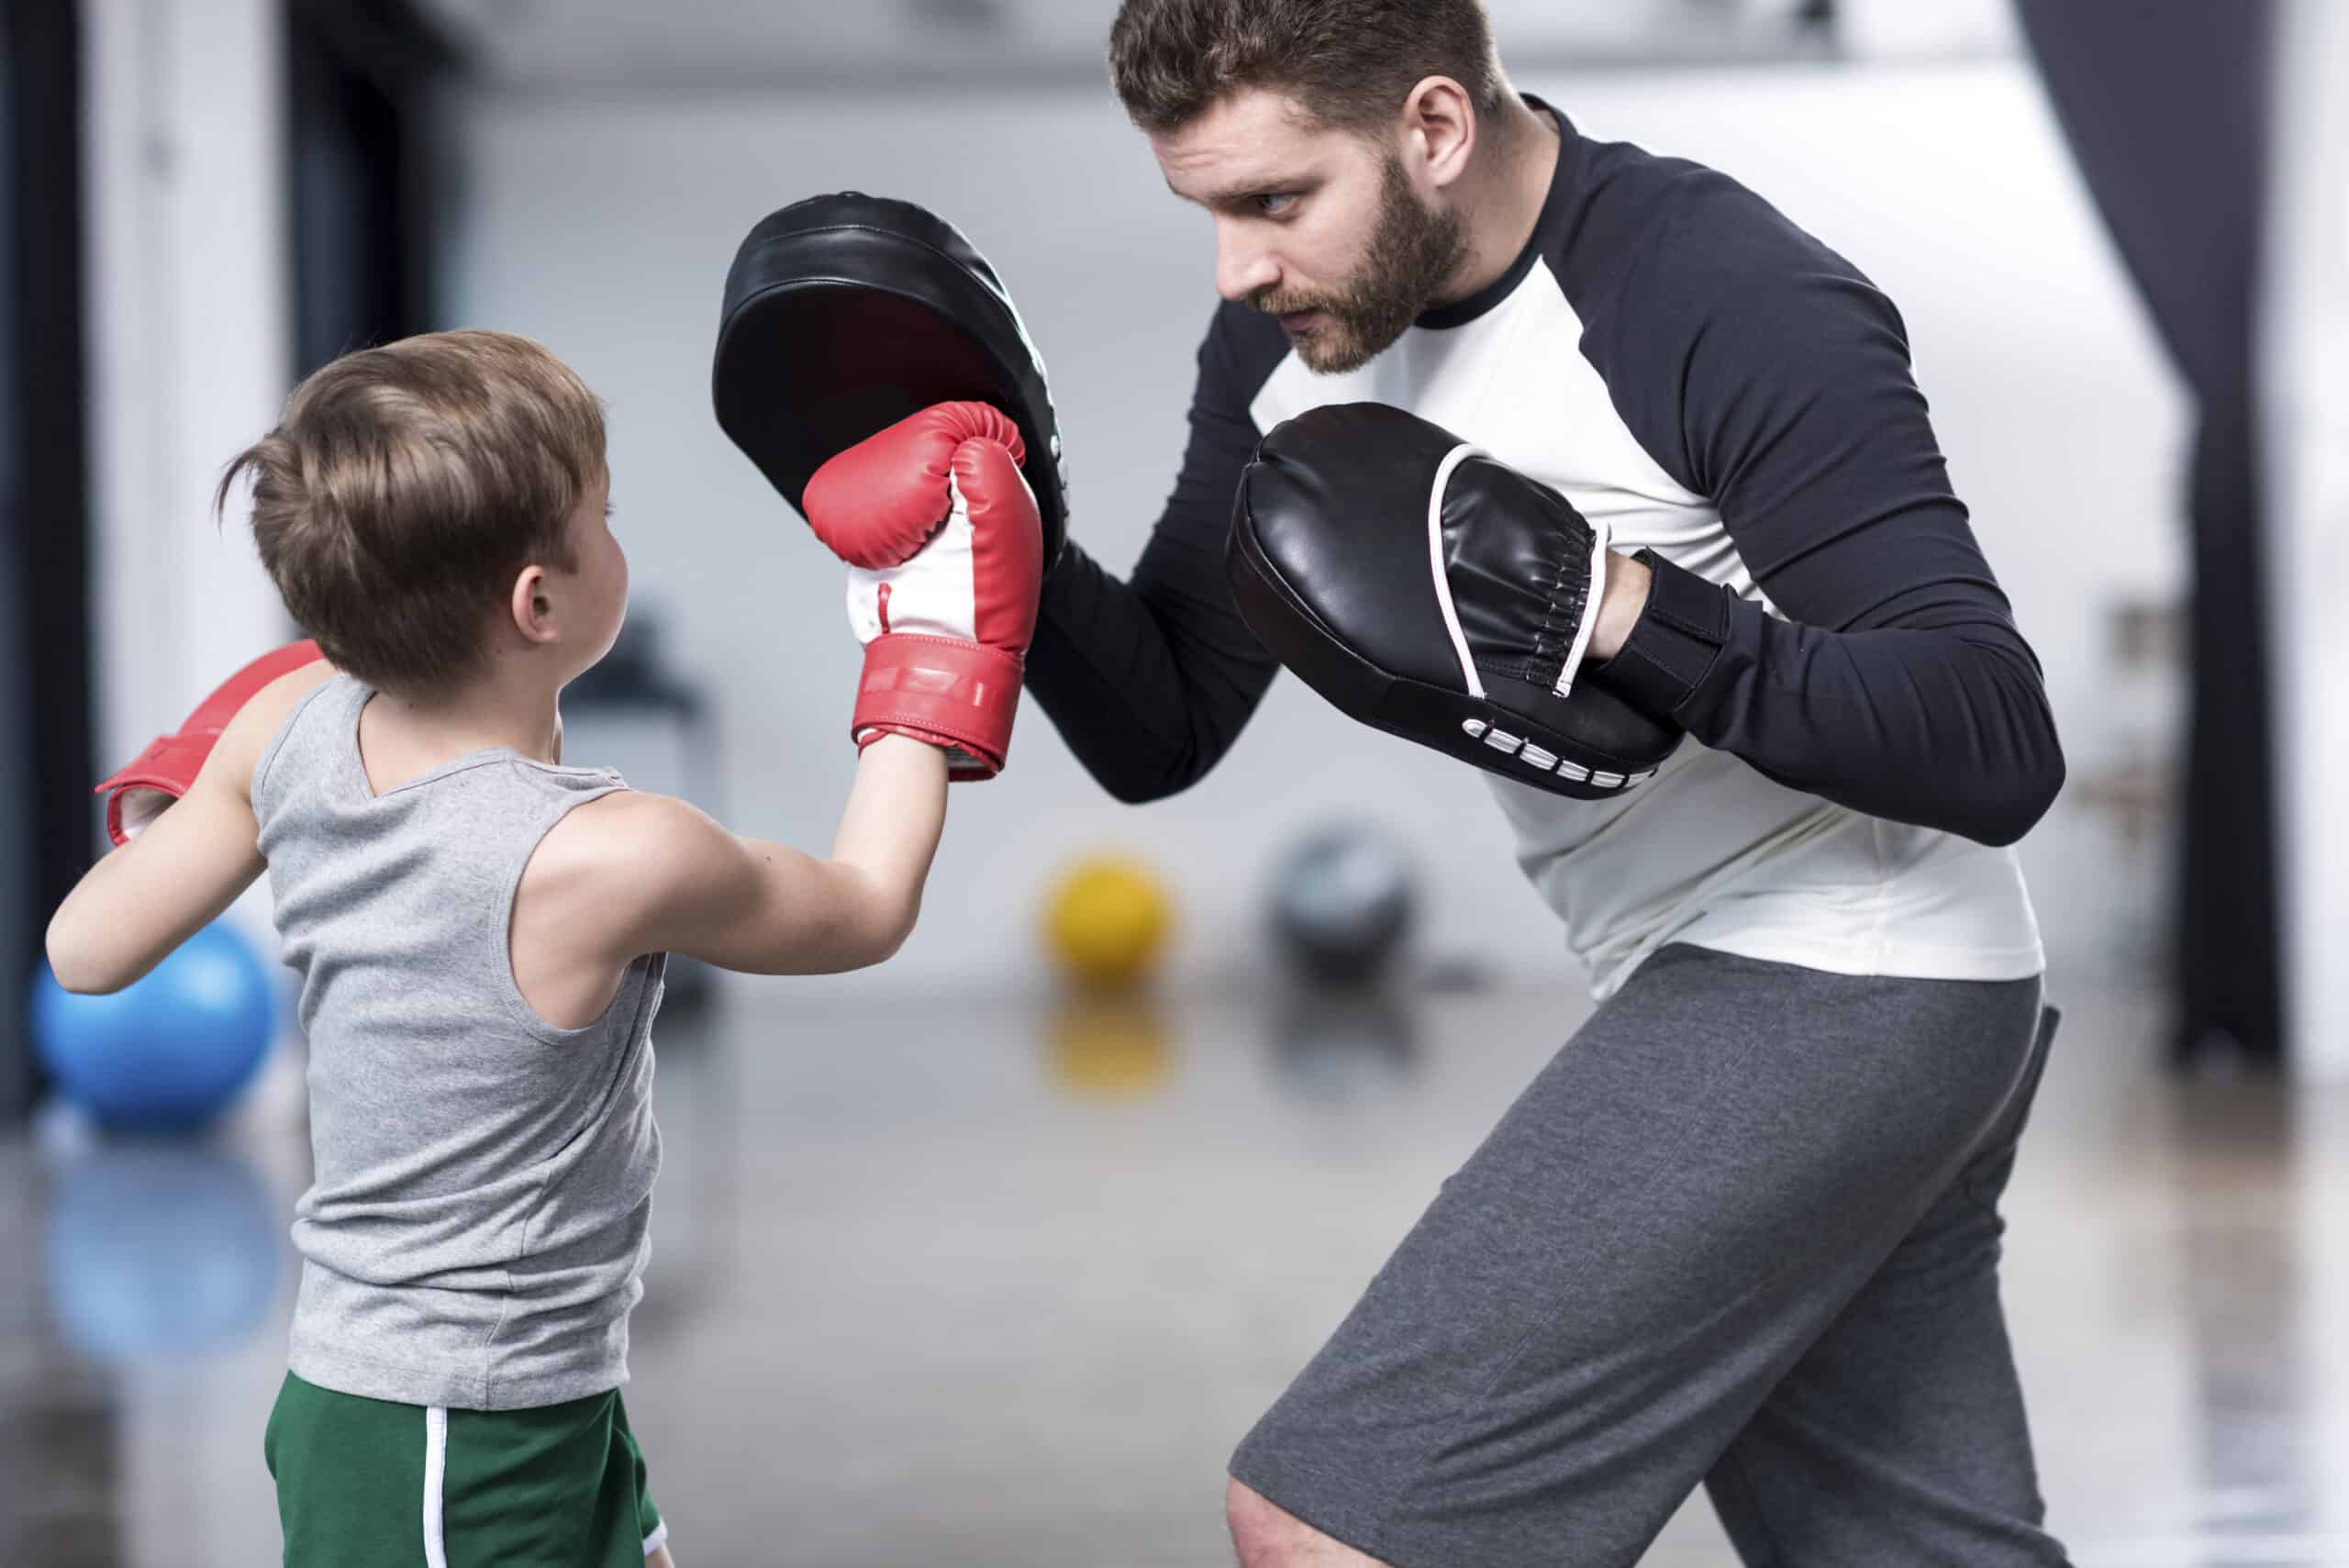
x: 477, y: 1228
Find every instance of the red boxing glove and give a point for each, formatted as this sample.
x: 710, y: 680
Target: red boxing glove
x: 162, y: 772
x: 946, y: 558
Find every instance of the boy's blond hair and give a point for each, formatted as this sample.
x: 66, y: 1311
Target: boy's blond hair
x: 407, y: 486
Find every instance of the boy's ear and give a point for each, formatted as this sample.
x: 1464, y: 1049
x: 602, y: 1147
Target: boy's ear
x: 532, y: 607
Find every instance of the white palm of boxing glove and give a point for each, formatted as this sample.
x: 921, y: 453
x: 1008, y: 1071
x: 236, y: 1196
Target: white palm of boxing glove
x: 932, y: 595
x: 945, y: 554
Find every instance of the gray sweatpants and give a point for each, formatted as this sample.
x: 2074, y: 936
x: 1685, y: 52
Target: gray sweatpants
x: 1743, y: 1231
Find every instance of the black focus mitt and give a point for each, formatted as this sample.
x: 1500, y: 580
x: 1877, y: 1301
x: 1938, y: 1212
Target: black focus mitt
x: 844, y: 313
x: 1432, y: 592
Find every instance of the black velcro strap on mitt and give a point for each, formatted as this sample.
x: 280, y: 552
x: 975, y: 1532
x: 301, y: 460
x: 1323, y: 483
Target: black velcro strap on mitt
x: 1459, y: 642
x: 846, y: 312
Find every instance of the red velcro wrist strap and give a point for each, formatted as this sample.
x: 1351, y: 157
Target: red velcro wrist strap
x: 942, y: 690
x: 138, y: 793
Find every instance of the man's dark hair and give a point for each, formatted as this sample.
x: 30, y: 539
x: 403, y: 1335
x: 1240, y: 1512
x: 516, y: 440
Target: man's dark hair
x: 1349, y: 62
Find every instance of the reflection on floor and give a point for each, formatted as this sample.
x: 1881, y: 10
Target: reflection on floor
x: 1002, y: 1284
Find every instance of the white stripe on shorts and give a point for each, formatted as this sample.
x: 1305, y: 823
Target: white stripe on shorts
x: 436, y: 1471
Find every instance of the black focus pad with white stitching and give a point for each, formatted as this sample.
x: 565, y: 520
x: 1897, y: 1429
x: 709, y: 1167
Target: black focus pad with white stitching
x: 1339, y: 570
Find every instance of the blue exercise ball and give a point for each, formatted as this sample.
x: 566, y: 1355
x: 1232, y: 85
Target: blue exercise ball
x: 170, y: 1052
x: 160, y: 1252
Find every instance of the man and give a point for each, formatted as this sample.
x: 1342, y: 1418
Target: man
x: 1743, y: 1231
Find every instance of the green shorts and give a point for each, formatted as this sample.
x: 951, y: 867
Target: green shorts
x: 368, y: 1483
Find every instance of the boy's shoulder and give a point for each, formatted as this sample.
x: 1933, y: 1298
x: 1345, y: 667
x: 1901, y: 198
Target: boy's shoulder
x: 630, y: 844
x: 628, y: 830
x: 616, y: 866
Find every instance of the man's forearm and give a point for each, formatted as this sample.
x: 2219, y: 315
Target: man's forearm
x: 1150, y: 681
x: 1935, y: 716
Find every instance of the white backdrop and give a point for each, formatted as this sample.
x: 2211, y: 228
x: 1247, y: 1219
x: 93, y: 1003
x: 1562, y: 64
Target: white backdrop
x: 604, y: 225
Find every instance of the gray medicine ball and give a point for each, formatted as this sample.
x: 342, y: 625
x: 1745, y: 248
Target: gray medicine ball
x: 1343, y: 899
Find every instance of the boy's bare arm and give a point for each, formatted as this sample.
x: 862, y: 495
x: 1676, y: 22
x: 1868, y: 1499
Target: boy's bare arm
x: 650, y: 873
x: 139, y: 903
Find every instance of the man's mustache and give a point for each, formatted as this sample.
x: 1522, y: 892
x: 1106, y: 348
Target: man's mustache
x: 1273, y: 305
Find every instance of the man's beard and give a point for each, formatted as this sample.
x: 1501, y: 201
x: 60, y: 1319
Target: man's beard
x: 1413, y: 252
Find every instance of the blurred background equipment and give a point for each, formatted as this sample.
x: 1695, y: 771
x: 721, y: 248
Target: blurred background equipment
x: 159, y: 1251
x: 1106, y: 922
x: 1107, y: 919
x: 170, y: 1052
x: 1341, y: 904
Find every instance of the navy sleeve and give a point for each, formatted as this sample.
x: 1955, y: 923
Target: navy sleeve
x: 1150, y: 681
x: 1763, y: 371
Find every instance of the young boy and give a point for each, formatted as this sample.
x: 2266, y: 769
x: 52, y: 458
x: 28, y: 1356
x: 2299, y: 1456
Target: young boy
x: 480, y: 930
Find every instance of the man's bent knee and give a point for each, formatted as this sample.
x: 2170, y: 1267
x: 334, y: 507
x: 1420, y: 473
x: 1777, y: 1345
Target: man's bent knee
x: 1267, y: 1536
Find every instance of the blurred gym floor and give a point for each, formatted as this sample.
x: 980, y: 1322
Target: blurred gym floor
x: 1003, y: 1283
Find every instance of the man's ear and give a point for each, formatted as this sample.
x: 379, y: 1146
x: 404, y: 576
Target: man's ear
x: 531, y: 606
x: 1441, y: 115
